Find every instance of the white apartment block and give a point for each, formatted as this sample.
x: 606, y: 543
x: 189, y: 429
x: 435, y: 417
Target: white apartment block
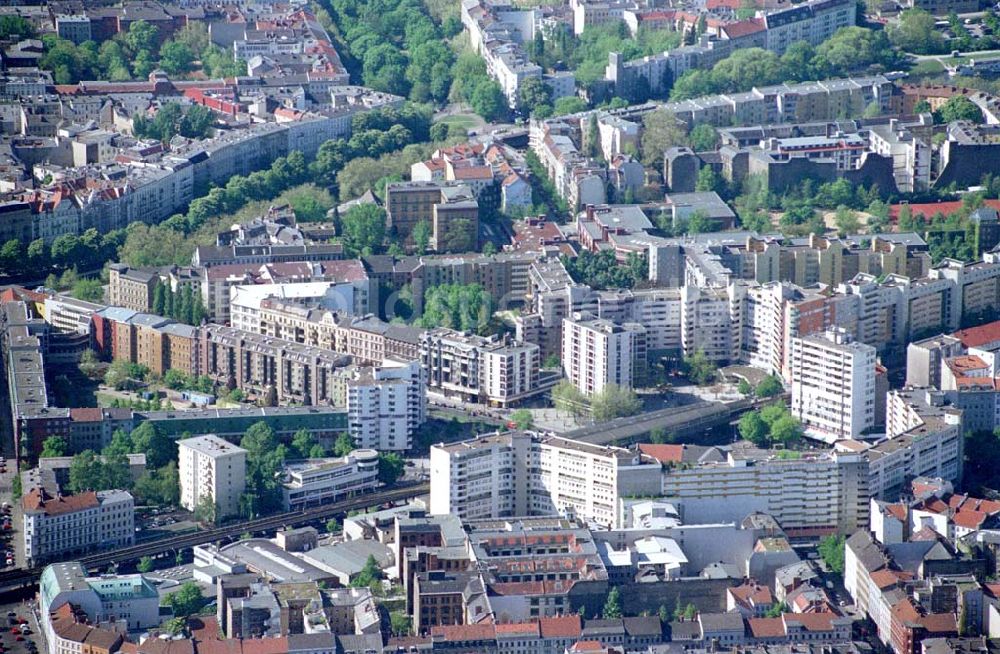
x: 597, y: 353
x: 318, y: 481
x: 498, y: 372
x: 707, y: 322
x: 63, y: 526
x: 809, y: 495
x: 658, y: 310
x: 833, y: 385
x: 245, y: 300
x: 212, y: 467
x: 525, y: 473
x: 386, y: 405
x: 924, y: 439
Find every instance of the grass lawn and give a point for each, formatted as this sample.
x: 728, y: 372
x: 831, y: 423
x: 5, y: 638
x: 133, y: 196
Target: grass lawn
x: 927, y: 67
x: 465, y: 121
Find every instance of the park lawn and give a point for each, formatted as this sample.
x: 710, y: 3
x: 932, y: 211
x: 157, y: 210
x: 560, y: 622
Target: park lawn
x: 465, y: 121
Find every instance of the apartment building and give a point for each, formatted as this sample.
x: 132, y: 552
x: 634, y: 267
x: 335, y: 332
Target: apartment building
x: 449, y: 209
x: 579, y: 180
x: 813, y: 494
x: 525, y: 473
x: 386, y: 405
x: 489, y: 370
x: 269, y: 367
x: 211, y: 468
x: 597, y: 353
x: 924, y: 439
x: 833, y: 385
x: 553, y: 296
x: 657, y: 310
x: 131, y: 288
x: 319, y: 481
x: 128, y: 602
x: 350, y: 295
x: 57, y: 527
x: 707, y: 322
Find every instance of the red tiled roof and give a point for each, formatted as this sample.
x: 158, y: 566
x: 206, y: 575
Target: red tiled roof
x: 897, y: 511
x: 812, y: 621
x: 930, y: 208
x: 766, y: 627
x: 743, y: 28
x: 939, y: 623
x: 905, y: 611
x: 981, y: 335
x: 884, y: 578
x: 39, y: 500
x: 587, y: 646
x: 663, y: 453
x: 752, y: 593
x: 969, y: 519
x: 518, y: 628
x: 265, y: 645
x: 86, y: 414
x: 465, y: 632
x: 564, y: 626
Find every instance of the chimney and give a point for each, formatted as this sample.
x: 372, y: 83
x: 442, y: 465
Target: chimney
x: 590, y: 212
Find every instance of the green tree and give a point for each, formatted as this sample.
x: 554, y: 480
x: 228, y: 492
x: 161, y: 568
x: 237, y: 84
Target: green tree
x: 661, y: 130
x: 465, y: 307
x: 567, y: 397
x: 690, y: 611
x: 158, y: 448
x: 744, y: 388
x: 753, y: 428
x: 176, y: 57
x: 703, y: 137
x: 16, y: 26
x: 206, y: 511
x: 847, y: 221
x: 145, y: 564
x: 421, y: 235
x: 487, y: 100
x: 141, y: 37
x: 15, y: 487
x: 707, y: 180
x: 265, y: 457
x: 532, y: 93
x: 613, y: 605
x: 831, y: 549
x: 916, y: 32
x: 770, y: 386
x: 400, y: 623
x: 344, y: 445
x: 186, y: 601
x: 568, y: 104
x: 786, y: 431
x: 54, y: 446
x: 86, y: 472
x: 663, y: 613
x: 390, y: 467
x: 958, y: 107
x: 364, y: 229
x: 700, y: 369
x: 303, y: 442
x: 333, y: 526
x: 614, y: 401
x: 523, y: 419
x: 371, y: 574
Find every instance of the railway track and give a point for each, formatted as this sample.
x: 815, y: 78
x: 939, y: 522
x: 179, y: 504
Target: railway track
x: 11, y: 580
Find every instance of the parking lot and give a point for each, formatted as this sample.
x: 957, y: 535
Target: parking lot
x: 20, y: 633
